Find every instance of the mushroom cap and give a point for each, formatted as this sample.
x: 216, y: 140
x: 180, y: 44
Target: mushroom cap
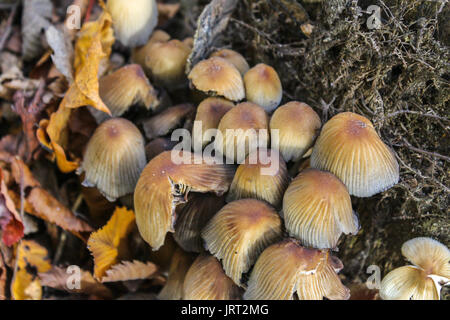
x: 408, y: 283
x: 238, y: 234
x: 263, y: 86
x: 192, y: 218
x: 158, y: 145
x: 238, y: 126
x: 164, y: 184
x: 138, y: 54
x: 264, y: 178
x: 124, y: 88
x: 179, y: 266
x: 218, y: 76
x: 166, y: 62
x: 350, y: 148
x: 209, y: 113
x: 286, y: 268
x: 114, y: 158
x: 317, y: 209
x: 298, y: 126
x: 133, y: 21
x: 205, y: 280
x: 234, y: 57
x: 430, y: 255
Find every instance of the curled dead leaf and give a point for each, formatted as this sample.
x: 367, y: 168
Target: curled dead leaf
x: 130, y: 270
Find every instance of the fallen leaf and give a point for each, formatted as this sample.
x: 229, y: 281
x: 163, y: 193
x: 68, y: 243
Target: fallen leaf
x: 10, y: 220
x: 109, y: 243
x: 2, y: 278
x: 130, y: 270
x: 62, y: 51
x: 60, y: 278
x: 31, y: 258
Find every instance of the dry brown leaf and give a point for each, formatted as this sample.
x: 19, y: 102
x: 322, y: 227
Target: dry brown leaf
x: 108, y: 244
x: 10, y: 220
x: 31, y: 258
x: 58, y: 278
x: 130, y: 270
x: 2, y: 278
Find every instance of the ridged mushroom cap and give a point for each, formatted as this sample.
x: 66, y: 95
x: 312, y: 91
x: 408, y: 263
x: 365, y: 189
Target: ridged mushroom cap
x: 238, y: 234
x: 350, y: 148
x: 262, y: 176
x: 114, y: 158
x: 298, y: 126
x: 218, y: 76
x: 206, y: 280
x: 317, y: 209
x: 263, y: 86
x: 234, y: 57
x: 286, y: 268
x: 165, y: 183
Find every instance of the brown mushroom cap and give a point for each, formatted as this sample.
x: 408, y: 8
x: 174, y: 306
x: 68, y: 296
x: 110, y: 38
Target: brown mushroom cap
x: 249, y: 118
x: 123, y: 88
x: 138, y: 54
x: 158, y: 145
x: 265, y: 179
x: 133, y: 21
x: 317, y: 209
x: 164, y: 184
x: 234, y: 57
x: 238, y: 234
x: 263, y: 86
x: 114, y: 158
x: 286, y: 267
x: 350, y: 148
x: 218, y: 76
x: 209, y: 113
x: 206, y: 280
x: 298, y: 126
x: 166, y: 62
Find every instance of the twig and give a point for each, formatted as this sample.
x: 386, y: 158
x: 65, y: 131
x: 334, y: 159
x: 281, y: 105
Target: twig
x: 399, y: 112
x: 8, y: 29
x: 433, y: 154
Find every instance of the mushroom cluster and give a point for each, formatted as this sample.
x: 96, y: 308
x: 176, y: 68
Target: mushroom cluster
x: 258, y: 225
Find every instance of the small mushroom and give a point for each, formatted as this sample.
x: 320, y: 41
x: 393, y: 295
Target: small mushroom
x: 286, y: 268
x: 218, y: 77
x: 206, y: 280
x: 133, y: 21
x: 262, y: 176
x: 158, y: 145
x: 166, y: 62
x: 350, y: 148
x: 298, y: 126
x: 263, y: 86
x: 424, y: 279
x: 209, y: 113
x: 243, y: 129
x: 114, y: 158
x: 234, y: 57
x: 124, y: 88
x: 138, y: 54
x: 165, y: 182
x: 238, y: 234
x: 317, y: 209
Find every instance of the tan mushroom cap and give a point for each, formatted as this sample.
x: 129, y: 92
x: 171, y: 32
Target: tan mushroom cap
x: 218, y: 76
x: 263, y: 86
x: 138, y: 54
x: 192, y: 218
x: 286, y: 268
x: 234, y: 57
x: 165, y: 183
x: 238, y: 234
x: 298, y: 126
x: 317, y: 209
x: 206, y: 280
x: 423, y: 280
x: 114, y: 158
x: 179, y: 266
x: 124, y: 88
x: 240, y: 127
x: 350, y: 148
x: 133, y: 21
x: 262, y: 176
x: 166, y: 62
x: 209, y: 113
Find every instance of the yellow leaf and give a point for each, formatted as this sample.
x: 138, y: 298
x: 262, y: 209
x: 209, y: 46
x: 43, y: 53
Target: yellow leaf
x: 31, y: 258
x: 108, y: 243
